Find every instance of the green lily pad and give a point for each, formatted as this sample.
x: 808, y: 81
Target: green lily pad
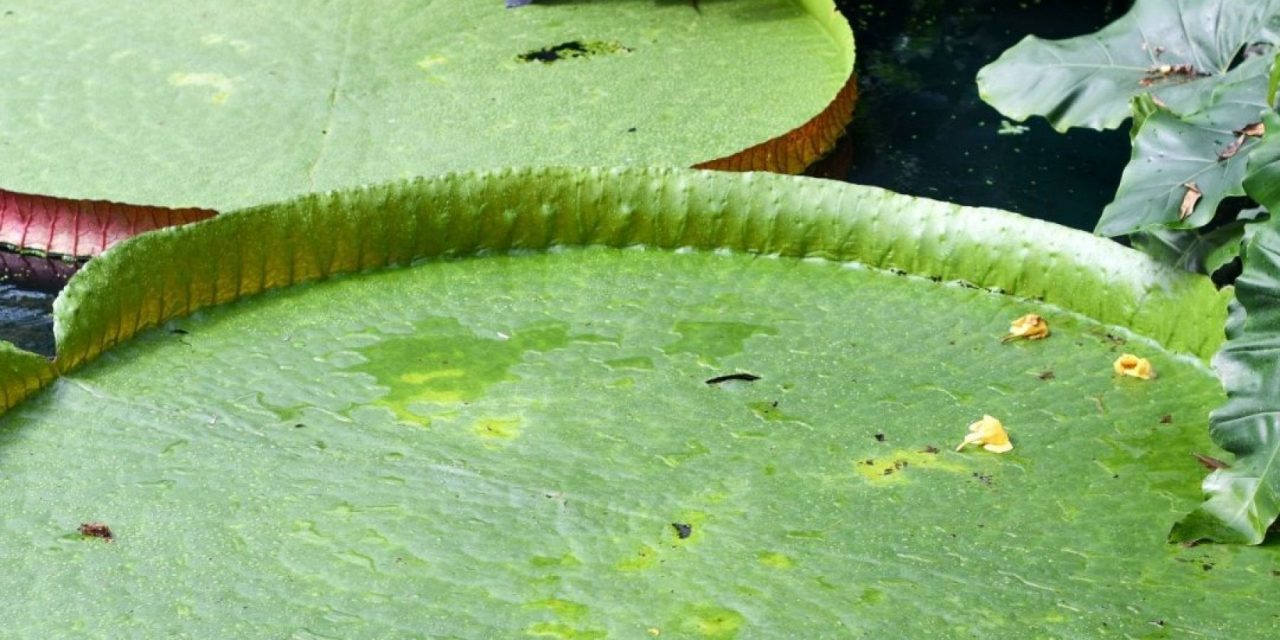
x: 222, y: 105
x: 508, y: 440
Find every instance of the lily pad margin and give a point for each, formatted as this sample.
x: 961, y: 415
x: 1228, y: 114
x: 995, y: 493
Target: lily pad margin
x: 795, y: 150
x: 173, y: 272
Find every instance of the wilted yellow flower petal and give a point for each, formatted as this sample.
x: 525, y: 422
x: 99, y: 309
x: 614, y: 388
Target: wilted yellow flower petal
x: 1130, y: 365
x: 989, y: 433
x: 1028, y: 327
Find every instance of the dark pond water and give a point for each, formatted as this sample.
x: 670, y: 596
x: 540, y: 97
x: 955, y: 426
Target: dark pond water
x: 920, y: 127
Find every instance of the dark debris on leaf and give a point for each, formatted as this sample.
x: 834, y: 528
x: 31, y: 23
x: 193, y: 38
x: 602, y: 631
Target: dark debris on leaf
x: 97, y: 530
x: 571, y: 49
x: 742, y: 376
x: 683, y: 530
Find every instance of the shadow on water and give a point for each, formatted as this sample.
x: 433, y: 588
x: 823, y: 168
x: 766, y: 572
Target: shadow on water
x: 920, y: 127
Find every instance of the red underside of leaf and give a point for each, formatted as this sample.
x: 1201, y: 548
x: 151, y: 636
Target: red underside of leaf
x: 793, y: 151
x: 80, y: 228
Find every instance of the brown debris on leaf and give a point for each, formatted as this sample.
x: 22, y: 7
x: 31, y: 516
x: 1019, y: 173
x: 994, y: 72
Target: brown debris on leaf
x: 1189, y: 200
x: 1213, y: 464
x: 1175, y: 72
x: 1254, y: 130
x: 97, y: 530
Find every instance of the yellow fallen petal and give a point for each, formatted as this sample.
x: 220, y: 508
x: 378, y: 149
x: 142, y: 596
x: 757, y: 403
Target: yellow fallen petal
x: 1130, y: 365
x: 989, y: 433
x: 1028, y: 327
x: 998, y: 448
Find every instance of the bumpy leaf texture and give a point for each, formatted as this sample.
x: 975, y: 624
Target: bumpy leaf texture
x: 514, y: 433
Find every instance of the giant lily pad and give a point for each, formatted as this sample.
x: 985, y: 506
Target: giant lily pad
x: 530, y: 430
x: 221, y: 105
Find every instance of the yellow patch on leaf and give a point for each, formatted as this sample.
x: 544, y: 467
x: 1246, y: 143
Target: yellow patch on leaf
x: 1130, y: 365
x: 989, y: 433
x: 1028, y: 327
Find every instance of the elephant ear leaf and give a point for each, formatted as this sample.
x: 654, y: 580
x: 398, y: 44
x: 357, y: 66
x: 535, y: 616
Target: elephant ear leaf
x: 1190, y: 154
x: 1196, y: 250
x: 1244, y: 499
x: 1162, y: 47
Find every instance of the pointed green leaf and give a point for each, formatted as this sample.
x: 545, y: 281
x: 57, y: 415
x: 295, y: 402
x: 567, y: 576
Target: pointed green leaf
x: 1244, y: 499
x: 1089, y: 80
x: 1263, y: 180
